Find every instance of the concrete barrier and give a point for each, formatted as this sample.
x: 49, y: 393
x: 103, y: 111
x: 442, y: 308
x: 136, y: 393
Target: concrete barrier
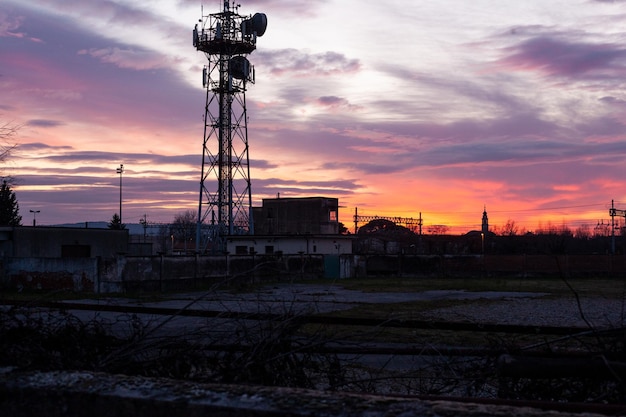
x: 76, y: 274
x: 122, y: 274
x: 79, y: 394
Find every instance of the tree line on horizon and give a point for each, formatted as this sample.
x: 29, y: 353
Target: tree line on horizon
x: 385, y: 237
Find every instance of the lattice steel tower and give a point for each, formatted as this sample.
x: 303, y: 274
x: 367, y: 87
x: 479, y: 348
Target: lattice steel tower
x: 226, y: 38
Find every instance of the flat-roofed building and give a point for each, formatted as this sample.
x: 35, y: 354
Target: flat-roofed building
x: 297, y: 216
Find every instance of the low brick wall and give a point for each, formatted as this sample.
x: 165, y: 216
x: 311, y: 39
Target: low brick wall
x: 79, y: 394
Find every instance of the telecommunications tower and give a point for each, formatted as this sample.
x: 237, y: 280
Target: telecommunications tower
x: 225, y: 201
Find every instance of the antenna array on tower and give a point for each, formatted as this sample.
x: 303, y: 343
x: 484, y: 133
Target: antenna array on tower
x: 225, y: 199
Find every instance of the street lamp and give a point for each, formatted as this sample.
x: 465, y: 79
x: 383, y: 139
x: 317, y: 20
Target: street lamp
x: 482, y: 243
x: 35, y: 216
x: 120, y: 171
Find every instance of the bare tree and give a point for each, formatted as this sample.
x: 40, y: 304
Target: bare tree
x: 438, y: 229
x: 184, y: 228
x: 583, y: 232
x: 8, y: 132
x: 509, y: 228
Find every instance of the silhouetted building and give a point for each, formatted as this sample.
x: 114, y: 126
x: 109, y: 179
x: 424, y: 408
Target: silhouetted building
x: 307, y: 225
x: 297, y: 216
x: 61, y: 242
x: 485, y: 224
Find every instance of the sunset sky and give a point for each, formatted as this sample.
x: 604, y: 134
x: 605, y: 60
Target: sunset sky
x: 395, y: 107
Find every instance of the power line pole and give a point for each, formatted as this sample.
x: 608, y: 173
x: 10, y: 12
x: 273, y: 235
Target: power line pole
x: 614, y: 212
x: 120, y: 171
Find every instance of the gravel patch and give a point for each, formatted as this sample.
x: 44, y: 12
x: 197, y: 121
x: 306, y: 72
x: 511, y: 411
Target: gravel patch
x: 304, y: 298
x: 521, y: 308
x: 599, y: 312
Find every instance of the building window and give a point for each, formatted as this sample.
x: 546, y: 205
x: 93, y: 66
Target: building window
x: 333, y: 215
x: 269, y: 250
x: 241, y: 250
x: 314, y: 248
x: 75, y: 251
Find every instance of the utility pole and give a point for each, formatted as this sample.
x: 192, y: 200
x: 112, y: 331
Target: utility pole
x: 144, y: 223
x: 420, y: 222
x: 120, y: 171
x: 614, y: 212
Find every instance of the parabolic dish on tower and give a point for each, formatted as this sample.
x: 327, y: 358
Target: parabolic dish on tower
x: 255, y: 25
x: 240, y: 67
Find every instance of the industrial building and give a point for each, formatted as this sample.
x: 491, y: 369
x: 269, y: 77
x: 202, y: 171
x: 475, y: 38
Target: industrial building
x: 297, y: 216
x: 61, y: 242
x: 306, y: 225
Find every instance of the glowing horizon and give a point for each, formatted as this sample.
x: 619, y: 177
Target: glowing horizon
x: 454, y: 107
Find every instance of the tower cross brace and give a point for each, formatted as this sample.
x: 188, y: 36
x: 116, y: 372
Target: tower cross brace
x: 225, y: 198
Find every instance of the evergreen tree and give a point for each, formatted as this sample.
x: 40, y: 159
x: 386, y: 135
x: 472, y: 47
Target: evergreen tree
x: 9, y: 209
x: 116, y: 223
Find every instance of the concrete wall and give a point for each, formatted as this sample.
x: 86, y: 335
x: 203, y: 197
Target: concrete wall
x: 583, y: 266
x: 57, y: 242
x: 164, y: 273
x: 159, y: 273
x: 153, y: 273
x: 77, y: 274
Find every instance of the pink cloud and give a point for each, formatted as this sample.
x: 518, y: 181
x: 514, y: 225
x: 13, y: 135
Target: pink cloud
x: 128, y: 58
x: 9, y: 28
x: 106, y: 10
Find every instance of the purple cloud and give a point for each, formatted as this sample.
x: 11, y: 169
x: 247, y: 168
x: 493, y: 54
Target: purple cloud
x: 132, y: 58
x: 557, y: 57
x: 299, y: 8
x: 38, y: 146
x: 44, y: 123
x: 334, y: 102
x: 301, y: 64
x: 107, y: 10
x: 10, y: 25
